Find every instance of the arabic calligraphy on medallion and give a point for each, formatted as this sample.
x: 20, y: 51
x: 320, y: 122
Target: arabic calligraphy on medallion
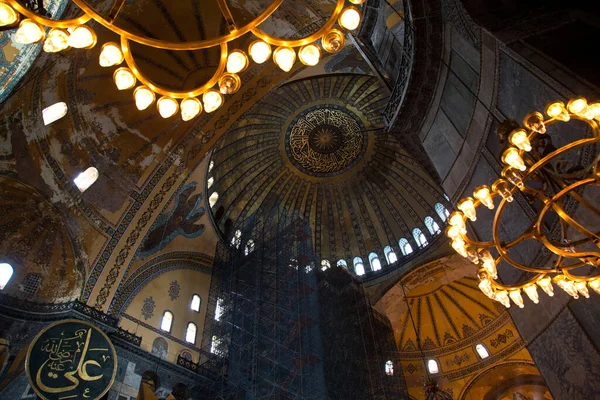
x: 325, y: 141
x: 71, y: 359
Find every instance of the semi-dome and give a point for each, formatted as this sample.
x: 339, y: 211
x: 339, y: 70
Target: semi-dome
x: 317, y: 146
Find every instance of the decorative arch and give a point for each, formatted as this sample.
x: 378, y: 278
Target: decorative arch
x: 359, y: 266
x: 442, y: 211
x: 432, y: 226
x: 420, y: 237
x: 160, y: 348
x: 390, y: 254
x: 405, y: 247
x: 374, y: 261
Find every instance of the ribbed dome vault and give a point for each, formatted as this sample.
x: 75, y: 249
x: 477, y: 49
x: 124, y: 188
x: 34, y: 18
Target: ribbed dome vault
x: 317, y: 146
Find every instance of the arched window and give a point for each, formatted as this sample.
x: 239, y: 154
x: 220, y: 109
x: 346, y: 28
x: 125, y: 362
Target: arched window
x: 219, y: 309
x: 249, y: 247
x: 186, y: 355
x: 160, y: 348
x: 325, y: 265
x: 215, y: 346
x: 190, y: 333
x: 374, y: 261
x: 210, y: 182
x: 211, y: 165
x: 482, y: 351
x: 390, y: 254
x: 212, y: 200
x: 342, y: 263
x: 441, y: 211
x: 359, y: 267
x: 86, y: 179
x: 405, y: 247
x: 54, y: 112
x: 31, y: 283
x: 167, y: 321
x: 432, y: 226
x: 196, y: 301
x: 236, y: 240
x: 389, y: 368
x: 432, y: 366
x: 6, y: 271
x: 420, y: 237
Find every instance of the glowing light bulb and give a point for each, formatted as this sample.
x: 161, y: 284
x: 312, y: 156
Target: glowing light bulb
x: 357, y: 1
x: 144, y: 97
x: 8, y: 16
x: 124, y: 78
x: 110, y: 55
x: 284, y: 57
x: 457, y: 219
x: 29, y: 32
x: 501, y: 296
x: 512, y: 157
x: 514, y: 176
x: 350, y: 18
x: 259, y: 51
x: 467, y: 206
x: 546, y: 284
x: 516, y: 297
x: 488, y: 263
x: 167, y: 106
x: 520, y: 139
x: 594, y: 110
x: 483, y: 194
x: 212, y: 100
x: 190, y: 108
x: 501, y: 186
x: 57, y: 40
x: 535, y: 122
x: 577, y: 106
x: 229, y: 83
x: 82, y: 37
x: 472, y: 255
x: 595, y: 285
x: 567, y: 285
x: 581, y: 287
x: 557, y: 111
x: 237, y: 61
x: 459, y: 246
x: 453, y: 232
x: 531, y: 292
x: 485, y: 285
x: 309, y: 55
x: 333, y: 41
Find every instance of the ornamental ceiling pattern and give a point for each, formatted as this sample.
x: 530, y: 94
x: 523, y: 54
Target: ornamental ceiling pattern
x: 317, y: 146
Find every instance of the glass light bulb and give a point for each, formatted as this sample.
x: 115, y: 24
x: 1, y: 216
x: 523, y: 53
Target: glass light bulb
x: 457, y: 219
x: 259, y: 51
x: 236, y: 61
x: 29, y: 32
x: 350, y: 18
x: 459, y: 246
x: 57, y: 40
x: 535, y: 122
x: 467, y: 206
x: 513, y: 175
x: 124, y: 78
x: 309, y: 55
x: 501, y: 296
x: 567, y: 285
x: 212, y: 100
x: 110, y: 55
x: 190, y: 108
x: 577, y: 106
x: 531, y: 292
x: 284, y: 57
x: 8, y: 16
x: 558, y: 111
x: 483, y: 194
x: 512, y: 157
x: 501, y: 186
x: 485, y: 285
x: 472, y: 255
x: 144, y: 97
x: 516, y: 297
x: 167, y: 106
x: 595, y: 285
x: 229, y: 83
x: 594, y: 110
x: 453, y: 232
x: 581, y: 287
x: 82, y: 37
x: 333, y: 41
x: 520, y: 139
x: 546, y: 284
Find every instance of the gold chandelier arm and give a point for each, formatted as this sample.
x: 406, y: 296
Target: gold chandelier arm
x: 306, y: 40
x: 579, y: 278
x: 165, y: 92
x: 174, y: 46
x: 566, y: 254
x: 555, y: 153
x: 517, y: 286
x: 227, y: 15
x: 52, y: 23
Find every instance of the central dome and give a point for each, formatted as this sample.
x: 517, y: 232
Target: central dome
x: 325, y: 140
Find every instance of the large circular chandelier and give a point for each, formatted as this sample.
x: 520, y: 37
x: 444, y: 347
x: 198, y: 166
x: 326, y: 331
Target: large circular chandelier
x: 74, y: 33
x: 549, y: 180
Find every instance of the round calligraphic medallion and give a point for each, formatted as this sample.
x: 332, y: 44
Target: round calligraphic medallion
x: 325, y: 140
x: 71, y: 359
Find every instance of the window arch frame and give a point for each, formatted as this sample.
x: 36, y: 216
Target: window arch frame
x: 199, y: 302
x: 4, y: 266
x: 374, y: 261
x: 187, y: 332
x: 482, y: 346
x: 431, y: 225
x: 387, y: 251
x: 170, y: 324
x: 154, y: 349
x: 441, y: 211
x: 325, y: 264
x: 420, y: 238
x: 437, y: 366
x: 358, y: 261
x: 84, y: 180
x: 402, y: 243
x: 48, y: 116
x: 342, y: 263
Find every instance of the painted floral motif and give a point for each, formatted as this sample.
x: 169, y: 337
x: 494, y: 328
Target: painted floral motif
x: 148, y: 308
x: 174, y: 289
